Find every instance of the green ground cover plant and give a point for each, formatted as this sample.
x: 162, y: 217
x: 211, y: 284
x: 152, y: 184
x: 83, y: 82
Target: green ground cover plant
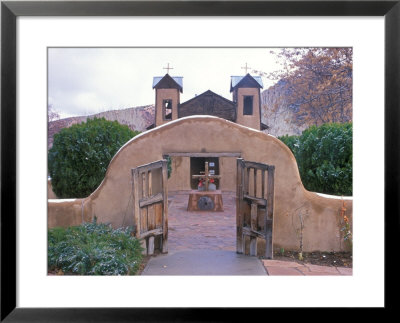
x: 93, y: 249
x: 324, y: 156
x: 80, y: 155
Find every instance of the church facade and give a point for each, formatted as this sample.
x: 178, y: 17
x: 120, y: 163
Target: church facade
x: 244, y: 109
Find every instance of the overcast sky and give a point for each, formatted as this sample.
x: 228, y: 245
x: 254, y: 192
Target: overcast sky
x: 84, y: 81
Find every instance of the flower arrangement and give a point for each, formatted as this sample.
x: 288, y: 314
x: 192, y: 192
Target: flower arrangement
x: 201, y: 185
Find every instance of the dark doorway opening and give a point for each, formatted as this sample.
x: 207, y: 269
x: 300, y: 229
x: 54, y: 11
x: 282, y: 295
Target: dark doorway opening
x: 197, y: 166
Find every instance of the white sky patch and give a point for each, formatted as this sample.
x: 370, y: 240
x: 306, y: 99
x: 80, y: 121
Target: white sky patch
x: 85, y: 81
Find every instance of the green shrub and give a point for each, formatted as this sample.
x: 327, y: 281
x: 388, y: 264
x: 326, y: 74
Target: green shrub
x: 324, y: 156
x: 93, y: 249
x: 81, y: 154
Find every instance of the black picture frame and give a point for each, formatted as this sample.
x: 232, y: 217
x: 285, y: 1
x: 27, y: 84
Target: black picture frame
x: 10, y: 10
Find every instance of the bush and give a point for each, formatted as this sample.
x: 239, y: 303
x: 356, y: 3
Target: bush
x: 324, y: 156
x: 81, y: 154
x: 93, y: 249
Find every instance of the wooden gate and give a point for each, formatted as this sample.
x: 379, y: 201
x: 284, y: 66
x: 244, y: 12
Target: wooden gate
x: 254, y: 207
x: 150, y: 202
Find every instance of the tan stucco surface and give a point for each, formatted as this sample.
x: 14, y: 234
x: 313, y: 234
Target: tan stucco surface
x: 68, y: 212
x: 112, y: 201
x: 180, y: 175
x: 166, y: 94
x: 252, y: 121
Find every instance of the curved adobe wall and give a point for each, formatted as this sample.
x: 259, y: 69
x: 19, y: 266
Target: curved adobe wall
x: 111, y: 202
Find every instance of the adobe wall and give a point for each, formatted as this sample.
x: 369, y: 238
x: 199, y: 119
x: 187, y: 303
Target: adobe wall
x: 227, y: 169
x: 180, y: 175
x: 68, y: 212
x: 112, y: 202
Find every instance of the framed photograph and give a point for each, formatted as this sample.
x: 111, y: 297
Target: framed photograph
x: 29, y: 29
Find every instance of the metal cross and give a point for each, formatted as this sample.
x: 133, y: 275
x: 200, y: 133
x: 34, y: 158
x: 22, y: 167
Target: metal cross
x: 206, y: 176
x: 246, y: 68
x: 168, y: 68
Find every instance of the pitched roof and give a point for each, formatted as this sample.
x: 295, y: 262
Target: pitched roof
x: 207, y: 93
x: 250, y: 81
x: 208, y: 103
x: 172, y: 81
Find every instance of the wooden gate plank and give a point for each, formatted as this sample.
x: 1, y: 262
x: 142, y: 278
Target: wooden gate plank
x: 151, y: 199
x: 263, y: 184
x: 151, y: 210
x: 257, y: 200
x: 159, y: 214
x: 247, y: 182
x: 254, y: 208
x: 143, y: 220
x: 253, y: 233
x: 253, y: 216
x: 136, y: 210
x: 255, y: 182
x: 165, y: 210
x: 151, y: 217
x: 239, y: 200
x: 146, y: 184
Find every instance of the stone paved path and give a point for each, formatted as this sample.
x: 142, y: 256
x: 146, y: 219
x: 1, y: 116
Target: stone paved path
x: 198, y: 238
x: 289, y: 268
x: 201, y: 230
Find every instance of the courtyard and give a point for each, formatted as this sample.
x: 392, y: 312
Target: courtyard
x: 202, y: 229
x: 204, y: 243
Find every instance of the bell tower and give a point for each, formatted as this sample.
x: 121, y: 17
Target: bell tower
x: 246, y: 94
x: 168, y: 89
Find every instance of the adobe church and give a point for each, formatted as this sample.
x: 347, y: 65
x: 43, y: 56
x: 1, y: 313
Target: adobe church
x: 222, y: 132
x: 244, y: 109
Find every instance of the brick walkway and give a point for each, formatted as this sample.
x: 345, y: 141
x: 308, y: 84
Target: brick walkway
x: 288, y: 268
x: 201, y: 230
x: 217, y: 231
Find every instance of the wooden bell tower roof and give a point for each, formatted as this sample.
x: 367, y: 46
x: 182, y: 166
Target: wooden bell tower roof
x: 246, y: 81
x: 168, y: 82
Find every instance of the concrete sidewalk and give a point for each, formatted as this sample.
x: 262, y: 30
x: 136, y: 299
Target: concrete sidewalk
x: 204, y: 262
x: 229, y: 263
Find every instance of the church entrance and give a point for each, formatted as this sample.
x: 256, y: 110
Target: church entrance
x: 248, y: 211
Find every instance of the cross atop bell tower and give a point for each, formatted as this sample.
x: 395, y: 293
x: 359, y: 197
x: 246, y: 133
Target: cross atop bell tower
x: 168, y: 68
x: 246, y: 68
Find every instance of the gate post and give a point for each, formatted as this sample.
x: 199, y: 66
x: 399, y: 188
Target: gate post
x: 164, y: 242
x: 239, y: 196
